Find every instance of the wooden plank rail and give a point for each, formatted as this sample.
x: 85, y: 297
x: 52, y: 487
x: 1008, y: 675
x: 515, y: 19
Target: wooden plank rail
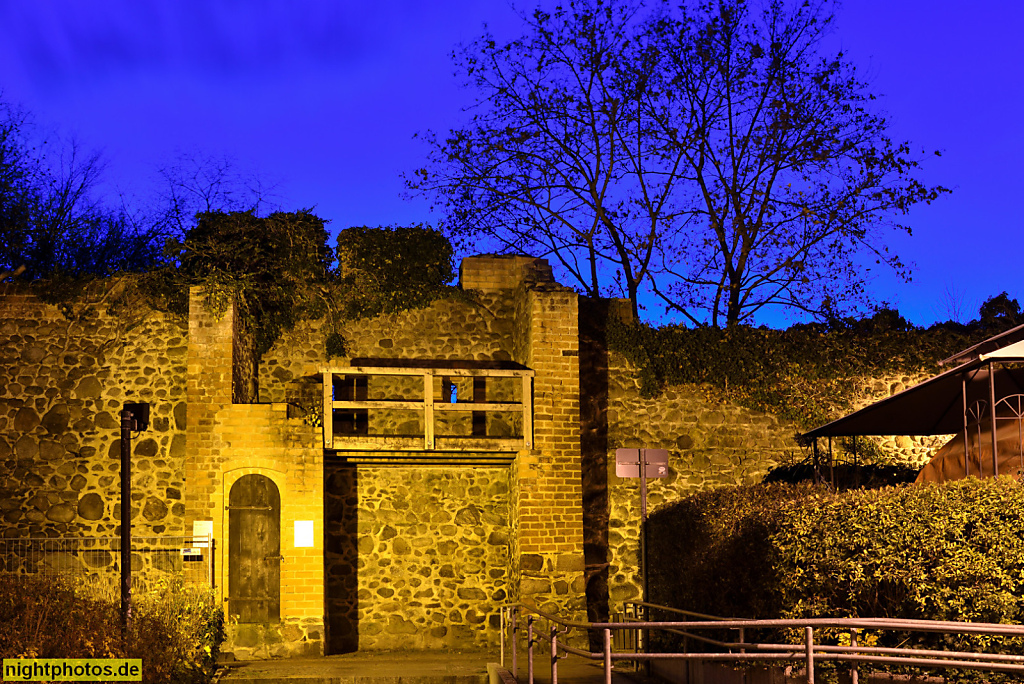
x: 430, y: 440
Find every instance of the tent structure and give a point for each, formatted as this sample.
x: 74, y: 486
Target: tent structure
x: 960, y: 402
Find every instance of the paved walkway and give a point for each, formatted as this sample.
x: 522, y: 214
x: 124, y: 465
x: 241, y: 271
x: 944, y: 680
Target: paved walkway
x: 406, y: 667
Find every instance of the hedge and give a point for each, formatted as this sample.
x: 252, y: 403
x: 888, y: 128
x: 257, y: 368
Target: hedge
x: 944, y: 552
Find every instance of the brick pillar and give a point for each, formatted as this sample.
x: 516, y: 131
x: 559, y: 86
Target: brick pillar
x: 211, y: 341
x: 548, y: 562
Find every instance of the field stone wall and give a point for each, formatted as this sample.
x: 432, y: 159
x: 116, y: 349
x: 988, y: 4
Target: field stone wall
x: 899, y: 449
x: 710, y: 444
x: 477, y: 328
x: 416, y: 557
x: 62, y: 386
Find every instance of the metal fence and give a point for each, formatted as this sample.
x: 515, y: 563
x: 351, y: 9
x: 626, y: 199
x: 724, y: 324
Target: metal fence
x: 713, y: 639
x: 95, y: 562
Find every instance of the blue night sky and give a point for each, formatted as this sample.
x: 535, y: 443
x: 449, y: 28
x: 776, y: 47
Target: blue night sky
x: 325, y: 97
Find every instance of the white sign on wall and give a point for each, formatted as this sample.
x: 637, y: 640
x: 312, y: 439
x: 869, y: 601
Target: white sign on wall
x: 303, y: 533
x: 202, y: 528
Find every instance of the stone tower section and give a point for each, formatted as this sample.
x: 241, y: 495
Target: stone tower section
x: 548, y: 561
x: 244, y: 458
x: 209, y: 393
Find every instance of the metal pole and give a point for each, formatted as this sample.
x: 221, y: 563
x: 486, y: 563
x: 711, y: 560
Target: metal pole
x: 642, y: 458
x: 744, y: 650
x: 809, y: 650
x: 992, y: 412
x: 967, y: 442
x: 854, y: 674
x: 554, y: 654
x: 213, y: 563
x: 127, y: 423
x: 817, y: 471
x: 831, y: 463
x: 529, y: 649
x: 607, y: 656
x: 501, y: 638
x: 515, y: 643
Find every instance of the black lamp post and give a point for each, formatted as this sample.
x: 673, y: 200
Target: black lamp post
x: 134, y: 417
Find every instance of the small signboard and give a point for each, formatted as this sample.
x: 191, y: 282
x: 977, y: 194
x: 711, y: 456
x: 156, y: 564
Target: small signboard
x: 303, y: 533
x: 627, y: 462
x: 202, y: 528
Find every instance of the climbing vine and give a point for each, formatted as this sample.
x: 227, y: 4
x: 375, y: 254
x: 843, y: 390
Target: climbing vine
x: 802, y: 373
x: 275, y: 269
x: 388, y: 270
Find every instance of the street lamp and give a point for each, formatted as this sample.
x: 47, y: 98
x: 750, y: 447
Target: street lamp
x: 134, y: 417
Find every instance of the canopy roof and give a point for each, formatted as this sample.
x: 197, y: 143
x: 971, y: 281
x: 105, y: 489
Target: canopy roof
x: 1002, y: 341
x: 936, y: 406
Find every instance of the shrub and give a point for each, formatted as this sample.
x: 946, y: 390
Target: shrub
x: 942, y: 552
x: 176, y: 630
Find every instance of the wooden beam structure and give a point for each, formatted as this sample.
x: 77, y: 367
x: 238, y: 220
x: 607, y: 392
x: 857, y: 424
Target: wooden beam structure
x: 430, y: 440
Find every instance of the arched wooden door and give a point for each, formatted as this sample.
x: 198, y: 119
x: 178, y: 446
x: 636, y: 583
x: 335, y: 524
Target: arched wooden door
x: 254, y: 550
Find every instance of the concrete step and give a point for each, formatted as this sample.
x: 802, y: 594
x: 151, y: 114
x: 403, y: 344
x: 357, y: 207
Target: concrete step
x: 368, y: 667
x: 409, y: 667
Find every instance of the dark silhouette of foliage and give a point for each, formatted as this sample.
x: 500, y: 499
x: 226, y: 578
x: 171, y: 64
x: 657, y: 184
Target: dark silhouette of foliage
x: 275, y: 269
x: 52, y: 224
x: 1001, y: 312
x: 393, y: 269
x: 709, y: 154
x: 386, y: 270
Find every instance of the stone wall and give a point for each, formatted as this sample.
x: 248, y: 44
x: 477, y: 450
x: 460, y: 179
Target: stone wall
x: 476, y: 328
x: 899, y: 449
x: 710, y: 444
x: 416, y: 557
x: 62, y: 386
x: 405, y: 556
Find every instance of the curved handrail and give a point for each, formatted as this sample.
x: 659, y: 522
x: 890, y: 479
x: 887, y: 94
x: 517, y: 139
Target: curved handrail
x: 748, y: 651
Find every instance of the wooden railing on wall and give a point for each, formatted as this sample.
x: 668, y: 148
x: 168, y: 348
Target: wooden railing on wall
x: 430, y: 441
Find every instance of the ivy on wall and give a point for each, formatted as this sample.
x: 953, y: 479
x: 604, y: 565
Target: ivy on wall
x: 388, y: 270
x: 802, y: 373
x: 278, y: 270
x: 274, y: 268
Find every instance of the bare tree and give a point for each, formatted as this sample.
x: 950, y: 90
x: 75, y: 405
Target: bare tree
x: 196, y: 183
x: 704, y: 153
x: 558, y: 159
x: 53, y: 221
x: 793, y: 176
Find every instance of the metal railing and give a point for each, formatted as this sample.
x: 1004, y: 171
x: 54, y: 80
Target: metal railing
x: 552, y: 633
x: 95, y: 562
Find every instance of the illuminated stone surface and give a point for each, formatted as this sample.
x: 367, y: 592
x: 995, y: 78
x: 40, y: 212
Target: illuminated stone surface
x: 404, y: 556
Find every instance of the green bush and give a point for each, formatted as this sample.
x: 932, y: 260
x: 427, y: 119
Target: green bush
x: 176, y: 630
x: 942, y: 552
